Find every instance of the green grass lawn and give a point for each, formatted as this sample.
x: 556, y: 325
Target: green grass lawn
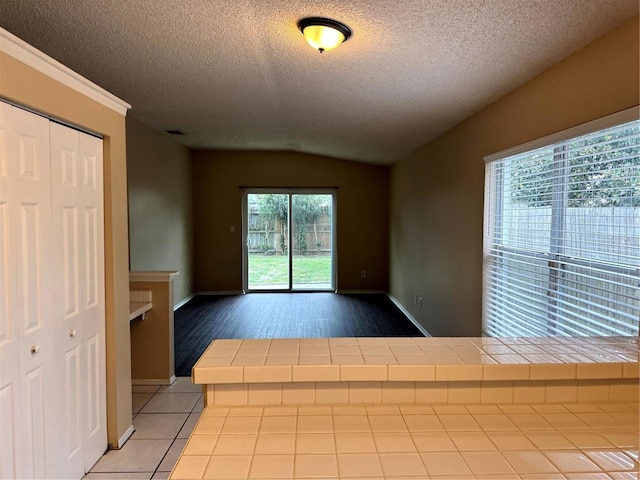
x: 273, y: 270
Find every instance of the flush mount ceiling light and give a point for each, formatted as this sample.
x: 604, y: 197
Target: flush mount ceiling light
x: 323, y: 33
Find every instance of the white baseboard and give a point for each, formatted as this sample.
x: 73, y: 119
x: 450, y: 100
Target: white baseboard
x: 183, y: 302
x: 123, y: 439
x: 409, y: 316
x: 350, y: 292
x: 153, y: 381
x: 232, y: 292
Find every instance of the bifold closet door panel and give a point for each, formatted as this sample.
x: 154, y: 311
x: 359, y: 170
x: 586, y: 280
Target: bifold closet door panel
x: 67, y: 221
x: 10, y: 380
x: 35, y: 289
x: 78, y: 219
x: 79, y: 237
x: 30, y: 321
x: 93, y: 309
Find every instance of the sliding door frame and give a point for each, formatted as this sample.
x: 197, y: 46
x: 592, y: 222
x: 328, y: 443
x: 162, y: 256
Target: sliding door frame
x: 289, y: 191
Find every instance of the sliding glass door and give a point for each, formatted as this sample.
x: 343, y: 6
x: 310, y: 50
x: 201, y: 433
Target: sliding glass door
x: 311, y: 241
x: 267, y: 241
x: 289, y: 240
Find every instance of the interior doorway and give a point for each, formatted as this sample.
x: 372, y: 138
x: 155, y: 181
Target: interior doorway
x: 289, y: 240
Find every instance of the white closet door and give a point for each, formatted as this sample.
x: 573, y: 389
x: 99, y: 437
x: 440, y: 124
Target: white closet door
x: 76, y: 170
x: 10, y: 385
x: 30, y: 207
x: 67, y: 219
x: 52, y: 319
x: 93, y: 308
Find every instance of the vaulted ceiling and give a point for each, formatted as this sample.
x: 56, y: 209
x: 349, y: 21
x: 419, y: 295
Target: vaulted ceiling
x: 238, y: 74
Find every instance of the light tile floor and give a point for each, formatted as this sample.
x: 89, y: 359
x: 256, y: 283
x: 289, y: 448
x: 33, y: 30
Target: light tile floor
x: 163, y: 418
x: 491, y: 442
x: 566, y: 442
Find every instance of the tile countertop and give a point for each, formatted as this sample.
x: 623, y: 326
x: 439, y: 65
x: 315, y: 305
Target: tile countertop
x: 417, y: 359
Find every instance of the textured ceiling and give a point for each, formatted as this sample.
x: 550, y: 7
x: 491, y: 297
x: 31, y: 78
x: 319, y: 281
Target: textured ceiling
x: 239, y: 75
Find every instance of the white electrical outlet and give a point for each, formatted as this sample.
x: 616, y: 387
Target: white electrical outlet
x: 363, y: 274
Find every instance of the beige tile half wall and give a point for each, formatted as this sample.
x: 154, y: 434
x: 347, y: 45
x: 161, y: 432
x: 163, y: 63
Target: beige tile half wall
x: 454, y: 392
x: 419, y: 370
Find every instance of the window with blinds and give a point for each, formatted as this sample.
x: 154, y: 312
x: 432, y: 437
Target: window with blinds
x: 562, y: 236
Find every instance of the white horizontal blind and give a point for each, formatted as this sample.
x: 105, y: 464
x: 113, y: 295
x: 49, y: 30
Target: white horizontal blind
x: 562, y: 238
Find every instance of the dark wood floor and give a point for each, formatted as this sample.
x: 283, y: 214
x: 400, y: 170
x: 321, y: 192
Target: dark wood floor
x: 283, y: 315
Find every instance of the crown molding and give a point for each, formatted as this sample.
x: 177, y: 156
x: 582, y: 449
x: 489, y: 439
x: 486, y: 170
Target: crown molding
x: 34, y: 58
